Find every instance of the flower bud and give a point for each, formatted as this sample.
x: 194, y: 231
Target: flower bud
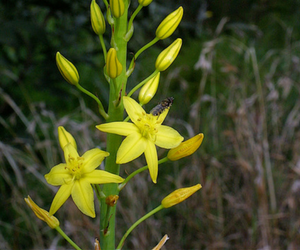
x: 113, y: 65
x: 117, y: 7
x: 67, y: 69
x: 186, y: 148
x: 42, y: 214
x: 149, y: 89
x: 169, y: 24
x: 97, y: 18
x: 179, y: 195
x: 167, y: 56
x: 145, y: 2
x: 65, y: 138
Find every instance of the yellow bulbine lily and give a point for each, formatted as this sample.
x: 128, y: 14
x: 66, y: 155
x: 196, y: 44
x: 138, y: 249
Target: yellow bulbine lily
x: 143, y: 134
x: 76, y: 176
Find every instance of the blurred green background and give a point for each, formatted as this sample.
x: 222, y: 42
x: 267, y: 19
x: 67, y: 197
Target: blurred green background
x: 236, y: 80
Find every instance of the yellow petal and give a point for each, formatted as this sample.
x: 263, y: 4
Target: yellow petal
x: 58, y: 175
x: 119, y: 128
x: 70, y: 152
x: 151, y: 158
x: 65, y: 137
x: 133, y: 109
x: 102, y: 177
x: 83, y: 197
x: 61, y: 196
x: 131, y: 148
x: 92, y: 159
x: 168, y: 137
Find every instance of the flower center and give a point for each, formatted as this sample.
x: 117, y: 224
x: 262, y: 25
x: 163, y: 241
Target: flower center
x: 74, y: 165
x: 148, y: 125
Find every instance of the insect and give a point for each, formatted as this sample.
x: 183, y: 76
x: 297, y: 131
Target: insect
x: 162, y: 106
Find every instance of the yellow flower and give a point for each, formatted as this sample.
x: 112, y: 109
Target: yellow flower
x: 168, y: 55
x: 179, y: 195
x: 113, y: 65
x: 186, y: 148
x: 42, y: 214
x: 97, y: 19
x: 117, y: 7
x: 149, y: 89
x: 67, y: 69
x: 76, y: 176
x: 169, y: 24
x: 143, y: 134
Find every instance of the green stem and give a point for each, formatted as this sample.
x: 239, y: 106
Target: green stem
x: 155, y: 210
x: 130, y: 68
x: 115, y: 112
x: 129, y: 177
x: 101, y: 109
x: 103, y: 46
x: 62, y: 233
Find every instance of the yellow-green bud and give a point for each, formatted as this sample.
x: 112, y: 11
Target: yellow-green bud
x: 186, y: 148
x: 65, y: 138
x: 42, y: 214
x: 97, y: 19
x: 169, y: 24
x: 179, y: 195
x: 117, y: 7
x: 167, y: 56
x: 113, y: 65
x: 149, y: 89
x: 145, y: 2
x: 67, y: 69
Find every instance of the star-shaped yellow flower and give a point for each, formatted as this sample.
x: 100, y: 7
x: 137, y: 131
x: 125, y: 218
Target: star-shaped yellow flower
x: 77, y: 174
x: 143, y: 134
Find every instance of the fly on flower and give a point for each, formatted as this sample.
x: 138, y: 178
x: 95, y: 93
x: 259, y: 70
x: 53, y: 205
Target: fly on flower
x: 162, y: 106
